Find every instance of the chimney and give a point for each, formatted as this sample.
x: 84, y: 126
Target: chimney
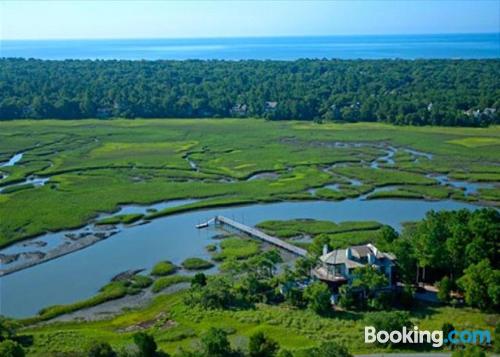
x: 325, y: 249
x: 348, y: 253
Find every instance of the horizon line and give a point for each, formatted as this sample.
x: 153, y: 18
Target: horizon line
x: 244, y: 37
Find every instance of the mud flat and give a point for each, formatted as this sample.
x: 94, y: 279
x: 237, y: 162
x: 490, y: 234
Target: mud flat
x: 35, y: 258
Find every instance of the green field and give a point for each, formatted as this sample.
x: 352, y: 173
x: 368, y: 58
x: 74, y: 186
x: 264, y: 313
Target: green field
x: 96, y: 165
x: 293, y: 328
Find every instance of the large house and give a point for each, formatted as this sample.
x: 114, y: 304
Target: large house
x: 337, y: 267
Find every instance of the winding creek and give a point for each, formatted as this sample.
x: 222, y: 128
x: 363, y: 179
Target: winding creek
x: 67, y: 278
x: 80, y: 274
x: 13, y: 160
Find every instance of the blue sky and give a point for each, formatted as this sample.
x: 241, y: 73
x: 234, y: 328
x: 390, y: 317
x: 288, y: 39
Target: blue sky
x: 172, y: 19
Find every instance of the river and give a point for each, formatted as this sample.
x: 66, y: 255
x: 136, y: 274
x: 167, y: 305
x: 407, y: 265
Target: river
x: 79, y: 275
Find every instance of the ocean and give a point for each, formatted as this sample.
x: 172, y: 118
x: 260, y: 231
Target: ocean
x: 453, y: 46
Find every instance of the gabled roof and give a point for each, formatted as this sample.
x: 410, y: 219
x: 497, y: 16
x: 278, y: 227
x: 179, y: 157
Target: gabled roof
x: 339, y: 256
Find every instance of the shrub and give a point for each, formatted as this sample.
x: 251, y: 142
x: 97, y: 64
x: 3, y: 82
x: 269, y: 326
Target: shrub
x: 444, y: 289
x: 215, y: 343
x: 101, y: 349
x: 146, y: 344
x: 9, y: 348
x: 317, y: 296
x: 199, y: 279
x: 261, y: 346
x: 196, y: 264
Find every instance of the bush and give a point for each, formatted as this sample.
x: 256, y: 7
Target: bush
x: 9, y: 348
x: 145, y: 343
x: 217, y: 294
x: 444, y: 289
x: 196, y: 264
x: 215, y: 343
x: 317, y: 296
x: 101, y: 349
x: 163, y: 268
x: 260, y: 346
x: 199, y: 280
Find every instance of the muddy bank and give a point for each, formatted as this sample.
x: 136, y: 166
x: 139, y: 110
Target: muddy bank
x: 73, y: 244
x: 112, y: 308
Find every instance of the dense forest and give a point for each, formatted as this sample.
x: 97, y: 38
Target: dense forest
x: 420, y: 92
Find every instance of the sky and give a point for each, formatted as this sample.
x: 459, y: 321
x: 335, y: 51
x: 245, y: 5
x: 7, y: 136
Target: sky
x: 95, y: 19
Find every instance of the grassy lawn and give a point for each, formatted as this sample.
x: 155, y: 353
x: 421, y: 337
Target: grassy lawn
x: 96, y: 165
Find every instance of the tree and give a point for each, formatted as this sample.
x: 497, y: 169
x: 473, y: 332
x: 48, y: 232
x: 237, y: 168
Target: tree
x: 216, y: 344
x: 444, y: 289
x: 369, y: 279
x: 304, y: 265
x: 261, y: 346
x: 145, y: 343
x: 317, y: 296
x: 101, y: 349
x: 9, y: 348
x: 330, y: 349
x: 199, y: 280
x: 481, y: 285
x: 429, y: 242
x: 7, y: 328
x: 386, y: 236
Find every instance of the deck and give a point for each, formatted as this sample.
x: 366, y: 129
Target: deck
x: 253, y: 232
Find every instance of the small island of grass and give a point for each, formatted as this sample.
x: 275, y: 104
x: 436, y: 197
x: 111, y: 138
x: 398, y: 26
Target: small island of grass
x: 122, y: 218
x: 196, y: 264
x: 163, y: 268
x: 236, y: 248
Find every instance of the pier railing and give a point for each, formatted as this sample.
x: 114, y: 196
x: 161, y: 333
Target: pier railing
x: 255, y: 233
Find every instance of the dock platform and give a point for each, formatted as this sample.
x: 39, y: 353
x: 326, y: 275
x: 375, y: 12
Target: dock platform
x: 255, y: 233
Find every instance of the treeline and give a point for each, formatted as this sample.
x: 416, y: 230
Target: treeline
x: 458, y: 250
x: 420, y: 92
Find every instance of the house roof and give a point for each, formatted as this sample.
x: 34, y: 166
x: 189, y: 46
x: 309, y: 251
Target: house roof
x: 339, y: 256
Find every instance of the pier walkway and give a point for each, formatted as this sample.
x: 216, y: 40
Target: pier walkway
x: 253, y: 232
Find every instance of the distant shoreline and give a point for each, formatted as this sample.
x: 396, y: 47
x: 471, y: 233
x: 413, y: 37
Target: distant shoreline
x: 408, y: 46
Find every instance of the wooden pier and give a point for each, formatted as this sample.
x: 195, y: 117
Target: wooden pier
x: 252, y: 232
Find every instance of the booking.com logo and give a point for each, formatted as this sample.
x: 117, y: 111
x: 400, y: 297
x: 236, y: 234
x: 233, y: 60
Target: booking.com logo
x: 435, y: 338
